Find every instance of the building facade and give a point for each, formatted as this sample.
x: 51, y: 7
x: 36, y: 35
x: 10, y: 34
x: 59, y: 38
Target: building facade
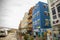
x: 54, y: 7
x: 54, y: 10
x: 30, y: 20
x: 24, y: 23
x: 41, y: 19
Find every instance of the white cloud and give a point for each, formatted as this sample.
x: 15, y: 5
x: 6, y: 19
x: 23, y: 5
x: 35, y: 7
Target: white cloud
x: 12, y: 11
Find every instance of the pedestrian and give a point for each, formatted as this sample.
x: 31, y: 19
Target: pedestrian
x: 31, y: 37
x: 20, y: 36
x: 50, y: 36
x: 25, y: 37
x: 59, y: 36
x: 37, y: 38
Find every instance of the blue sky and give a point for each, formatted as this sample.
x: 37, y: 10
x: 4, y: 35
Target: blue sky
x: 12, y: 11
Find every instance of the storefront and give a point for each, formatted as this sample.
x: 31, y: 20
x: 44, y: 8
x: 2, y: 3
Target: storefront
x: 56, y: 33
x: 47, y: 34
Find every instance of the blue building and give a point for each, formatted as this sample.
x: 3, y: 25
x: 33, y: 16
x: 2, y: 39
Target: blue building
x: 40, y: 17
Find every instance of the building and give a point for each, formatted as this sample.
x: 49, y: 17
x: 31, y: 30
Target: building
x: 54, y: 7
x: 41, y: 18
x: 19, y: 28
x: 30, y: 20
x: 54, y: 10
x: 24, y: 23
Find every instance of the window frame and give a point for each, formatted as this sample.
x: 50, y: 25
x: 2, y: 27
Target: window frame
x: 54, y: 17
x: 53, y: 10
x: 58, y: 9
x: 47, y: 22
x: 46, y: 13
x: 45, y: 6
x: 58, y: 5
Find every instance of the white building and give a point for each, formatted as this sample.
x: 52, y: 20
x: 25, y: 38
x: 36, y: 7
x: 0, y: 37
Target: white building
x: 54, y: 8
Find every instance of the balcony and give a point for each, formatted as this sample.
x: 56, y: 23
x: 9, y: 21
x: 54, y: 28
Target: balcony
x: 30, y: 16
x: 30, y: 20
x: 30, y: 25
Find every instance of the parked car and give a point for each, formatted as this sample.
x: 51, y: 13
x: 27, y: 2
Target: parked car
x: 3, y: 32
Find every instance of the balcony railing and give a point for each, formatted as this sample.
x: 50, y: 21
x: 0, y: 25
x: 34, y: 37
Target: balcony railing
x: 30, y: 20
x: 30, y: 16
x: 29, y: 23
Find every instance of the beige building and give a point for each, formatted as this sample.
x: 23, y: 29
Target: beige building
x: 30, y: 27
x: 24, y: 23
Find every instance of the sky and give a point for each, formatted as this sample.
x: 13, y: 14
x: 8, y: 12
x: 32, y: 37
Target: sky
x: 12, y: 11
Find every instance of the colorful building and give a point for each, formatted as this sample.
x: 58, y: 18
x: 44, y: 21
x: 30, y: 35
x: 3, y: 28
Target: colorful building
x: 41, y: 19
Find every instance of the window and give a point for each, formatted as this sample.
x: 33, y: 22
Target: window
x: 57, y: 21
x: 58, y: 7
x: 2, y: 31
x: 37, y: 5
x: 46, y: 13
x: 54, y: 17
x: 38, y: 27
x: 53, y: 11
x: 45, y: 5
x: 46, y: 22
x: 59, y: 15
x: 38, y: 21
x: 54, y: 35
x: 38, y: 13
x: 33, y: 23
x: 53, y: 22
x: 33, y: 16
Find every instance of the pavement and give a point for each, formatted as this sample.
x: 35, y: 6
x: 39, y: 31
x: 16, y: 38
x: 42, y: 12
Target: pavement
x: 11, y: 36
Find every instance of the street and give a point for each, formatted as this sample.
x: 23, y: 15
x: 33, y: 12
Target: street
x: 10, y: 36
x: 30, y: 19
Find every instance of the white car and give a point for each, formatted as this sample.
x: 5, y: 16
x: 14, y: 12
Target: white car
x: 3, y: 32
